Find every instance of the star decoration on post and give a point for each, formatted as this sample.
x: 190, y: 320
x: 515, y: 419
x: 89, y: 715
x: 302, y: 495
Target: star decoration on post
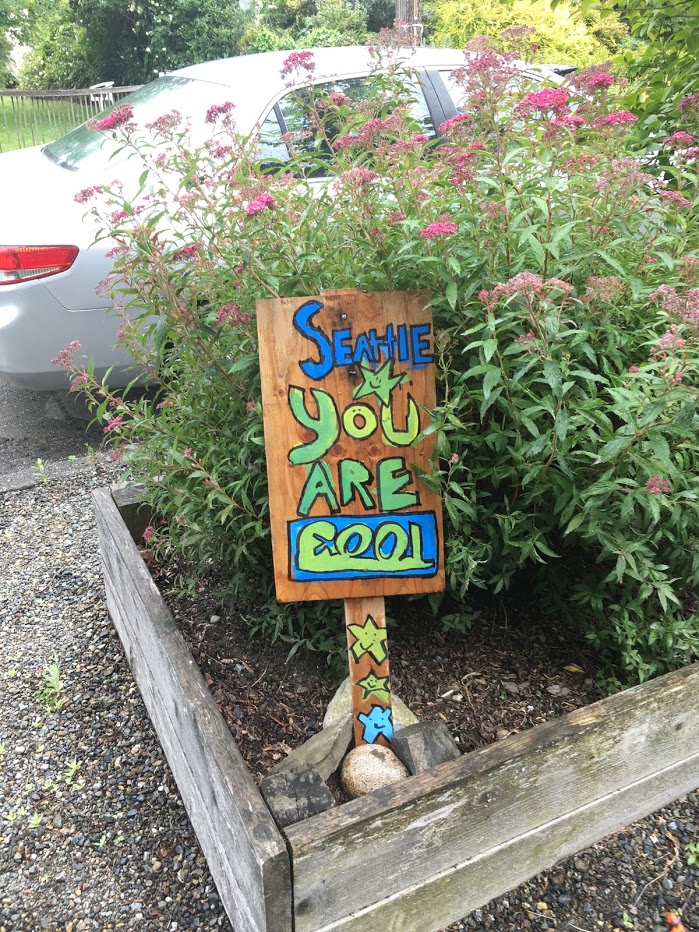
x: 373, y: 685
x: 369, y: 639
x: 379, y: 382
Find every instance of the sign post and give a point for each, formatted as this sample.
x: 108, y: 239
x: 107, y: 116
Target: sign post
x: 347, y: 390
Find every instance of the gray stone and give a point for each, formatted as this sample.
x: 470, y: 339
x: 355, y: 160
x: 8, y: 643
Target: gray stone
x: 324, y: 750
x: 369, y: 767
x: 295, y: 794
x: 424, y: 745
x: 340, y: 708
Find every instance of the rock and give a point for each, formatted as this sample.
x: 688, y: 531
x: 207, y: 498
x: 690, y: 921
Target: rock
x: 424, y: 745
x: 324, y: 750
x: 295, y: 794
x: 340, y: 708
x: 369, y: 767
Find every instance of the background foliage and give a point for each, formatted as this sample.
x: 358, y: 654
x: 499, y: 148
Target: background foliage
x: 564, y: 34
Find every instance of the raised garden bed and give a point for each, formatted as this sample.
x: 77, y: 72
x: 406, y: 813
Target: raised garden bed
x: 421, y: 853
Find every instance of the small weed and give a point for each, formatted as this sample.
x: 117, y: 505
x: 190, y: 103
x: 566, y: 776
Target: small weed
x: 35, y: 820
x: 93, y: 456
x: 692, y: 853
x: 627, y: 921
x: 51, y: 692
x: 120, y: 839
x: 102, y: 843
x: 72, y: 768
x: 3, y: 749
x: 13, y: 817
x: 40, y: 470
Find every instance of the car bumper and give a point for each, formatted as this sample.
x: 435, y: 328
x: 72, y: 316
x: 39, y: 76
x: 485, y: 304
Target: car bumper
x: 34, y: 327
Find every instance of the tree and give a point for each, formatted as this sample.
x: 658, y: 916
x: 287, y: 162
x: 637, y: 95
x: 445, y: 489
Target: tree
x: 563, y: 35
x: 59, y: 55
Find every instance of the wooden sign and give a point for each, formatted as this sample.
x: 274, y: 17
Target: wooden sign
x: 347, y: 389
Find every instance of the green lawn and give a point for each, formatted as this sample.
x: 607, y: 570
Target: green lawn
x: 26, y: 121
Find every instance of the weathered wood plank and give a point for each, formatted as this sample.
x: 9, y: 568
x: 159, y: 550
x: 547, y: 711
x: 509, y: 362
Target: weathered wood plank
x: 244, y: 848
x: 416, y: 856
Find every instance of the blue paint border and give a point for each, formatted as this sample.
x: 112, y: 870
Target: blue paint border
x: 427, y: 521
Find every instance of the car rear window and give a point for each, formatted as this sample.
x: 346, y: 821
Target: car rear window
x: 83, y: 146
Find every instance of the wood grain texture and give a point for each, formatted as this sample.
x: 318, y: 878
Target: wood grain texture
x: 418, y: 855
x: 283, y: 347
x: 243, y: 847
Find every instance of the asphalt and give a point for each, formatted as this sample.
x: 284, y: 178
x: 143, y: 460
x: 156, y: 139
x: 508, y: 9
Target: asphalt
x: 43, y: 435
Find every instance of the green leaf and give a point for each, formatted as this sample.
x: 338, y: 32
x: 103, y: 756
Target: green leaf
x: 552, y: 376
x: 562, y: 424
x: 610, y: 451
x: 492, y: 378
x: 452, y: 294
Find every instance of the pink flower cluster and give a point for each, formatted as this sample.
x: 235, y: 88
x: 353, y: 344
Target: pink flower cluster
x: 336, y: 99
x: 80, y: 379
x: 599, y: 81
x: 260, y: 203
x: 620, y: 118
x: 217, y: 110
x: 298, y: 61
x: 449, y: 124
x: 357, y: 178
x: 66, y: 357
x: 675, y: 198
x: 113, y: 424
x: 685, y: 308
x: 118, y: 117
x: 571, y: 120
x: 679, y: 140
x: 165, y: 123
x: 524, y: 283
x: 82, y: 197
x: 603, y: 288
x: 669, y: 343
x: 442, y: 227
x: 690, y: 102
x: 230, y: 315
x: 554, y: 99
x: 187, y: 252
x: 658, y: 486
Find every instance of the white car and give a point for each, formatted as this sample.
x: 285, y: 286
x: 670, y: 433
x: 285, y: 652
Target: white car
x: 49, y: 264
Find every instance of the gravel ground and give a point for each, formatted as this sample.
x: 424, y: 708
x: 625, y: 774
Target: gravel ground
x: 93, y: 834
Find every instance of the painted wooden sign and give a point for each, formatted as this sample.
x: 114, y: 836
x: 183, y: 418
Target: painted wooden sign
x: 347, y: 389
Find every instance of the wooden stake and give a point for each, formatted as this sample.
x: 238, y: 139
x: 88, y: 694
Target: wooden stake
x: 367, y: 652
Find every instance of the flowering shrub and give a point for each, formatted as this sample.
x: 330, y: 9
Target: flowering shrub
x: 564, y: 283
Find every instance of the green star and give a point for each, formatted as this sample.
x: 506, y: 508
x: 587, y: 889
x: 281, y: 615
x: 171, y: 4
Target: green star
x: 379, y: 382
x: 375, y: 685
x: 370, y: 639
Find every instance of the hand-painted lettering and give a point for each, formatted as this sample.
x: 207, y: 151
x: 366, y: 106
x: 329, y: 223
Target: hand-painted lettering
x: 408, y: 344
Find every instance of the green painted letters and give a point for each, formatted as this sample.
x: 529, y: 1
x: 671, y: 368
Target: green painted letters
x: 326, y: 426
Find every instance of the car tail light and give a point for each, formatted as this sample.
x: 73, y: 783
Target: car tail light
x: 23, y: 263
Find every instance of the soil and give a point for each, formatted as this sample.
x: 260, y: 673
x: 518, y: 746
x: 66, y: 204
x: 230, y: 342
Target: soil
x: 509, y: 673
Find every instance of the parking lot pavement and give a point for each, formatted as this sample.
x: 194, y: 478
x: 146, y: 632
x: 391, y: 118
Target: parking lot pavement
x: 42, y: 435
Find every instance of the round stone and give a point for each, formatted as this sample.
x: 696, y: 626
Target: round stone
x: 369, y: 767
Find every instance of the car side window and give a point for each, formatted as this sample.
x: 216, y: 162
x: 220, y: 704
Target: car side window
x: 296, y: 112
x: 269, y: 139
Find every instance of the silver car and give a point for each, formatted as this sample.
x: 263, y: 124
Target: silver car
x: 50, y: 266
